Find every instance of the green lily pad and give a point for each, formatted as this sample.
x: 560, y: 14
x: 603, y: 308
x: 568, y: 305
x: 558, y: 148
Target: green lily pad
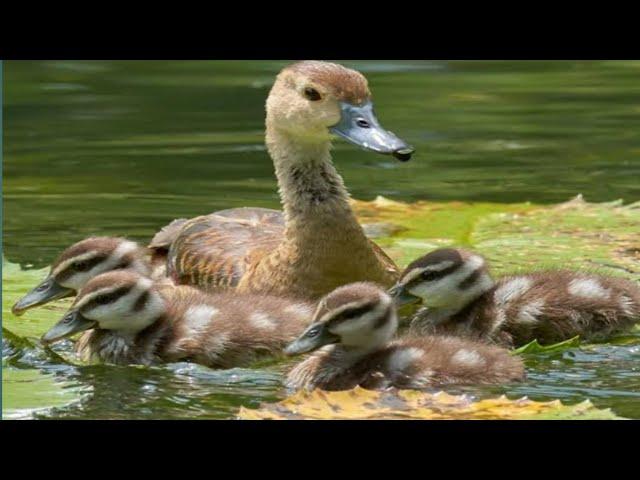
x: 602, y: 237
x: 35, y: 322
x: 535, y: 347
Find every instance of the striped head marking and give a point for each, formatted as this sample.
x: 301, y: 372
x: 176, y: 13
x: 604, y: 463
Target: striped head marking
x: 121, y: 300
x: 80, y: 263
x: 90, y: 257
x: 445, y: 278
x: 358, y: 315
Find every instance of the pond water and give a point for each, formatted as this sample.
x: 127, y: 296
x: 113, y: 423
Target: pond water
x: 121, y: 148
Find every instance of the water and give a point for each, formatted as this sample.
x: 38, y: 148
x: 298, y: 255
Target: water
x: 121, y: 148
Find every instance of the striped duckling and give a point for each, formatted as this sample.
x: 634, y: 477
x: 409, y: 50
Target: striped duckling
x: 352, y: 335
x: 460, y: 297
x: 84, y: 260
x: 133, y: 320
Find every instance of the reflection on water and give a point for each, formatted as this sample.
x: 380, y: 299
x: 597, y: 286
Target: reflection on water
x: 121, y: 148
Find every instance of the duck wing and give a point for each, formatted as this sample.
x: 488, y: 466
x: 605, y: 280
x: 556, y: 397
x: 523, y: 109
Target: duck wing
x: 389, y: 264
x: 214, y: 251
x: 167, y: 234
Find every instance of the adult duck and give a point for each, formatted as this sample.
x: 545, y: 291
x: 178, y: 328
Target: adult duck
x: 317, y: 245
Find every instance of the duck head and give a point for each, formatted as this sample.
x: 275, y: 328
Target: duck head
x: 311, y: 101
x: 447, y: 278
x: 80, y: 263
x: 358, y: 316
x: 122, y: 301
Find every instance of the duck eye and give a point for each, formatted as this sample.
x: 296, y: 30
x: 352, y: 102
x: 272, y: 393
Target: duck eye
x: 312, y: 94
x: 429, y: 275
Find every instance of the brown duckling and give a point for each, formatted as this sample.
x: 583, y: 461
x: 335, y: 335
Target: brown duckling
x: 317, y: 245
x: 355, y: 325
x: 82, y: 261
x: 134, y: 320
x: 459, y: 297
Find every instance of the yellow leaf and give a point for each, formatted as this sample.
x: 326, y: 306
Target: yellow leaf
x: 361, y: 404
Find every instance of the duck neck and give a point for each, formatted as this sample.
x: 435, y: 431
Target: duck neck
x: 312, y: 192
x: 341, y: 357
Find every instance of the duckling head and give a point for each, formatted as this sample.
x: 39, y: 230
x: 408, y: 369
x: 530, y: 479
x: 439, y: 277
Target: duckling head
x: 80, y: 263
x: 359, y: 316
x: 448, y: 278
x: 310, y: 101
x: 122, y: 300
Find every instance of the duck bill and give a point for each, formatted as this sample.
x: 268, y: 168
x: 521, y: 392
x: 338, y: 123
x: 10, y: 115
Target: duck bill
x: 304, y: 344
x: 47, y: 291
x: 359, y: 125
x: 72, y: 322
x: 401, y: 297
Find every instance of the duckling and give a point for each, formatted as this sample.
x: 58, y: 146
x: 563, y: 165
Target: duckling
x: 133, y: 320
x: 355, y: 325
x: 82, y: 261
x: 460, y: 297
x: 317, y: 245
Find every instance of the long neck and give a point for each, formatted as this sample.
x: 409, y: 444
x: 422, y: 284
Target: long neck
x: 312, y: 192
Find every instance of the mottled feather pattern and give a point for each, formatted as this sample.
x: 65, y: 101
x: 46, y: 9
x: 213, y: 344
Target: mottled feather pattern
x: 410, y: 362
x: 213, y: 251
x: 543, y: 306
x: 241, y: 329
x: 216, y: 330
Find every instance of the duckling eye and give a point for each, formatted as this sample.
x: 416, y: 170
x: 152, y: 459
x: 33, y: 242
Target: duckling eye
x: 102, y: 299
x: 312, y: 94
x: 429, y: 276
x: 82, y: 266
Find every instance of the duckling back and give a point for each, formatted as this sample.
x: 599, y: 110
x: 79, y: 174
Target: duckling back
x: 411, y: 362
x: 548, y: 306
x: 230, y: 330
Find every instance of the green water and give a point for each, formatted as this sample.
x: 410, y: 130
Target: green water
x: 121, y: 148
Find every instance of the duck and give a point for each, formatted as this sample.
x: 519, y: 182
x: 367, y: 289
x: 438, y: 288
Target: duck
x: 352, y: 340
x: 86, y: 259
x: 316, y: 244
x: 130, y: 319
x: 458, y: 296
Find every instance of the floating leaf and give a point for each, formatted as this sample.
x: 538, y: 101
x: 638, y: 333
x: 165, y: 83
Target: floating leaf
x: 361, y: 404
x: 575, y: 234
x: 535, y: 347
